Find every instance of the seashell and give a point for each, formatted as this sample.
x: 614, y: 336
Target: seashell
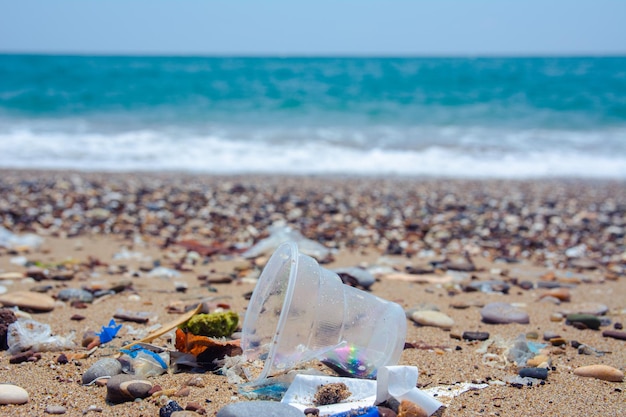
x: 104, y: 368
x: 603, y: 372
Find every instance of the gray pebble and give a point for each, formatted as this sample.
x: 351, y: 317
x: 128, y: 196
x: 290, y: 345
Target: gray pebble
x: 75, y: 294
x: 259, y: 408
x: 104, y: 368
x: 503, y: 313
x: 55, y: 409
x: 121, y: 388
x: 547, y: 335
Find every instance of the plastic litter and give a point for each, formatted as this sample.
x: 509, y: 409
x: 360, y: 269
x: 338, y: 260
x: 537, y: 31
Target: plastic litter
x: 109, y: 332
x: 10, y: 240
x: 398, y: 382
x: 522, y: 350
x: 145, y: 362
x: 299, y: 312
x: 164, y: 273
x: 26, y: 334
x: 280, y: 234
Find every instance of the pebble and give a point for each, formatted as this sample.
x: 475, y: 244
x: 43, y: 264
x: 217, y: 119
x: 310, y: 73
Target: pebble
x: 614, y: 334
x: 104, y: 368
x: 539, y: 373
x: 12, y: 394
x: 562, y: 294
x: 503, y: 313
x: 537, y: 360
x: 590, y: 321
x: 259, y: 408
x: 432, y: 318
x: 547, y: 335
x: 28, y: 300
x: 121, y: 388
x: 603, y: 372
x: 184, y: 413
x: 75, y: 294
x: 475, y: 335
x: 168, y: 409
x: 11, y: 276
x: 55, y: 409
x: 596, y: 309
x: 6, y: 318
x: 555, y: 317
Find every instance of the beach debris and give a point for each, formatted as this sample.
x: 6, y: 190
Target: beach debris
x: 146, y: 361
x: 13, y: 394
x: 103, y: 368
x: 55, y: 409
x: 522, y: 349
x: 259, y: 408
x: 28, y: 300
x: 107, y: 333
x: 122, y: 388
x: 19, y: 243
x: 332, y: 393
x: 503, y: 313
x: 168, y: 327
x: 603, y: 372
x: 27, y: 334
x: 163, y: 273
x: 208, y: 352
x: 279, y: 234
x: 218, y: 324
x: 532, y: 372
x: 410, y: 409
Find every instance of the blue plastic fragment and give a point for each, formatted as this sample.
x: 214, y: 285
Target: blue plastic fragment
x: 134, y: 351
x: 109, y: 332
x: 359, y: 412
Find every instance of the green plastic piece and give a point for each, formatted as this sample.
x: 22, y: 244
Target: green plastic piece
x: 221, y: 324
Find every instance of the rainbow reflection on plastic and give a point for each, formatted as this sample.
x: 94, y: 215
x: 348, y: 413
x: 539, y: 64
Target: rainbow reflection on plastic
x: 351, y: 360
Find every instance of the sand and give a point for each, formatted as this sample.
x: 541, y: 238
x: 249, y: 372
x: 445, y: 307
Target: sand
x: 366, y: 221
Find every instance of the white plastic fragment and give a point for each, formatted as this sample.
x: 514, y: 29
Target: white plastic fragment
x: 400, y: 383
x: 397, y: 382
x: 280, y: 234
x: 30, y: 334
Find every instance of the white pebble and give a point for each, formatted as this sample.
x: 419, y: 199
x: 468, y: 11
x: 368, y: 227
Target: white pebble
x: 12, y: 394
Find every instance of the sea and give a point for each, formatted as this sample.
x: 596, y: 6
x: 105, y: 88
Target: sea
x: 467, y: 117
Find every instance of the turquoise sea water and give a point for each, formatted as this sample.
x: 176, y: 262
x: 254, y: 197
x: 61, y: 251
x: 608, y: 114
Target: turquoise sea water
x: 482, y: 117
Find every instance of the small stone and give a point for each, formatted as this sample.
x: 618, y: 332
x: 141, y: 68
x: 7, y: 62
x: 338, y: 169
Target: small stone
x: 596, y: 309
x: 10, y: 276
x: 77, y: 317
x: 12, y: 394
x: 183, y: 392
x: 475, y: 335
x: 312, y: 411
x: 75, y: 294
x: 28, y: 300
x: 603, y: 372
x: 561, y: 293
x: 55, y: 409
x: 356, y: 276
x: 503, y: 313
x: 614, y: 334
x: 184, y: 413
x: 432, y: 318
x: 539, y: 373
x: 555, y: 317
x: 537, y: 360
x: 386, y: 412
x: 590, y: 321
x: 104, y: 368
x: 36, y: 273
x: 547, y: 335
x: 195, y: 406
x: 259, y: 408
x: 121, y: 388
x: 195, y: 381
x: 168, y: 409
x: 558, y: 341
x: 6, y: 318
x: 618, y: 326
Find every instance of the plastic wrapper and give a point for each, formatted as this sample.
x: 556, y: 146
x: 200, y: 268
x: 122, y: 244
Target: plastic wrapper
x: 281, y: 234
x: 146, y: 362
x: 27, y: 334
x: 10, y: 240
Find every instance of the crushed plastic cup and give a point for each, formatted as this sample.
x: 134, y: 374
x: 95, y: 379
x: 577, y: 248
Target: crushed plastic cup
x: 299, y: 312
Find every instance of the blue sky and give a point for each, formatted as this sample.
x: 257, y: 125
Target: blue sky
x: 320, y: 27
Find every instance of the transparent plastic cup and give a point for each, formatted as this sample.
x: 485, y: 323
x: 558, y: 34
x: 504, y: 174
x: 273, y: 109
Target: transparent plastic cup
x: 300, y: 311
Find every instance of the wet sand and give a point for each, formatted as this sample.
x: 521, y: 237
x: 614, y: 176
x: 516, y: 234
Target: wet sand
x: 560, y: 231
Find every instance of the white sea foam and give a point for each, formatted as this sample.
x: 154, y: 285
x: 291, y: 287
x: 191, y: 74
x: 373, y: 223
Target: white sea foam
x: 451, y: 152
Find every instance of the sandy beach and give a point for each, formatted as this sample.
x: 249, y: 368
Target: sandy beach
x: 450, y: 245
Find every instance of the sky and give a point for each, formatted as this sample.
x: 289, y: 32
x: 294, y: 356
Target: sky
x: 314, y: 27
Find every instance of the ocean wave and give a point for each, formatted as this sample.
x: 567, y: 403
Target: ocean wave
x: 469, y: 153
